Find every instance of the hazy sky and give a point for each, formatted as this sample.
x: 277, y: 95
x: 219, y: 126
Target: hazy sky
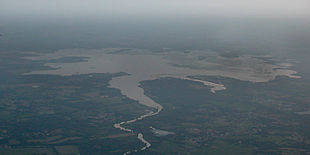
x: 154, y: 8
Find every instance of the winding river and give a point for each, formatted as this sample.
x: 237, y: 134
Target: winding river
x: 144, y: 65
x: 133, y: 91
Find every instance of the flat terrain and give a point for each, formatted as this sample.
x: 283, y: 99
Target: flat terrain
x: 56, y: 114
x: 248, y: 118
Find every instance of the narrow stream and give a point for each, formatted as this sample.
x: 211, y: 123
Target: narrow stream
x: 145, y: 65
x: 133, y: 91
x: 129, y: 86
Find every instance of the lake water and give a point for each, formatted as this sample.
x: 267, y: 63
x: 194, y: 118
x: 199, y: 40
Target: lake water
x: 144, y: 65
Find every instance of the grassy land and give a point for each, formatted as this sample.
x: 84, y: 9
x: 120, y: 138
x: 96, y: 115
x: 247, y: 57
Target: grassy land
x: 247, y: 118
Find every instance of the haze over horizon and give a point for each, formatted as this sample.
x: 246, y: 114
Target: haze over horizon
x: 154, y: 77
x: 153, y: 9
x: 253, y: 26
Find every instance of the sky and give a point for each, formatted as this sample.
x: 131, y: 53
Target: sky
x: 153, y: 8
x: 250, y: 24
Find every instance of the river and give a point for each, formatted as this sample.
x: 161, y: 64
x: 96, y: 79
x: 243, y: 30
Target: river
x: 144, y: 65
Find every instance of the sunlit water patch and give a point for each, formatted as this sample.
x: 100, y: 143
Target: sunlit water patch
x: 159, y: 132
